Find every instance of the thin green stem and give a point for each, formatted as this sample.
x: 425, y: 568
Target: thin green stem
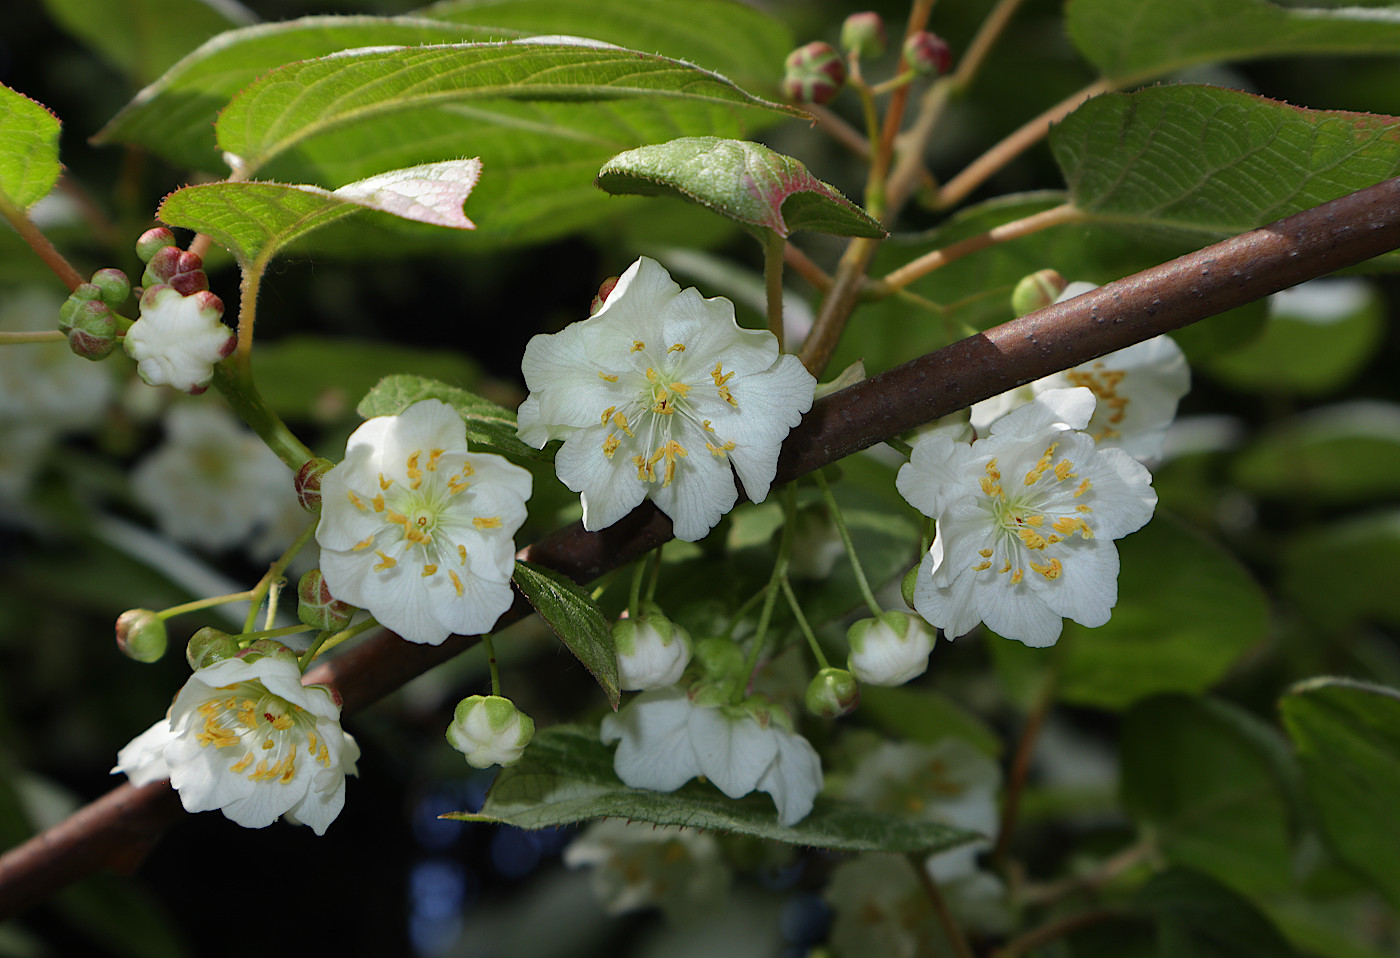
x: 893, y: 83
x: 314, y: 649
x: 802, y: 624
x: 900, y: 446
x: 490, y: 648
x: 634, y: 595
x: 274, y: 633
x: 273, y: 574
x: 40, y: 244
x: 840, y: 521
x: 198, y: 604
x: 42, y: 336
x: 236, y: 383
x: 773, y: 246
x: 743, y: 611
x: 655, y: 578
x: 951, y: 928
x: 770, y: 591
x: 345, y: 635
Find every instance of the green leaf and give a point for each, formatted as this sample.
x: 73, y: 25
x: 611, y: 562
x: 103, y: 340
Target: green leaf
x: 255, y: 221
x: 1135, y: 40
x: 1348, y: 739
x: 566, y: 775
x: 174, y: 116
x: 746, y: 182
x: 1210, y: 162
x: 144, y: 37
x: 1216, y: 614
x: 301, y: 101
x: 737, y: 40
x: 576, y: 619
x: 1199, y: 917
x: 1344, y: 453
x: 1318, y: 337
x: 28, y: 150
x: 1215, y: 785
x: 489, y: 427
x: 1340, y: 573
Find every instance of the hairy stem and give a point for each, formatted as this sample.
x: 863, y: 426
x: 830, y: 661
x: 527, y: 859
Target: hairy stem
x: 40, y: 244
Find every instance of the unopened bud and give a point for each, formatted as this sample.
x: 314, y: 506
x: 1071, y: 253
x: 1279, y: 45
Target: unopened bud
x: 316, y: 606
x: 813, y: 74
x: 890, y: 649
x: 153, y: 241
x: 604, y: 291
x: 1037, y: 291
x: 177, y: 268
x: 266, y: 647
x: 833, y: 693
x: 906, y: 586
x: 90, y: 328
x: 652, y: 651
x: 490, y: 730
x: 210, y: 645
x: 863, y: 34
x: 928, y: 53
x: 141, y: 635
x: 114, y: 285
x: 308, y: 483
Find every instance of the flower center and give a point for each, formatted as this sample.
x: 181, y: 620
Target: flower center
x: 1111, y: 406
x: 1027, y: 521
x: 265, y: 732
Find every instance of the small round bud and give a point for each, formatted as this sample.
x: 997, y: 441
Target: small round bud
x: 172, y: 266
x: 864, y: 34
x: 1037, y: 291
x: 114, y: 285
x: 604, y: 291
x: 316, y: 606
x: 308, y: 483
x: 153, y: 241
x: 928, y: 54
x: 813, y: 74
x: 490, y: 730
x: 652, y: 651
x: 833, y: 693
x: 141, y: 635
x: 890, y: 649
x: 91, y: 330
x: 266, y: 647
x: 210, y: 645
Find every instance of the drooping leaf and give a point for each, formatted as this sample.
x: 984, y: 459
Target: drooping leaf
x: 254, y: 221
x: 489, y: 427
x: 28, y: 150
x: 746, y: 182
x: 732, y: 38
x: 1200, y: 917
x: 144, y: 37
x: 576, y: 619
x: 174, y: 116
x: 1340, y: 573
x: 1211, y: 162
x: 566, y: 775
x: 1348, y: 739
x: 1135, y: 40
x: 1349, y: 452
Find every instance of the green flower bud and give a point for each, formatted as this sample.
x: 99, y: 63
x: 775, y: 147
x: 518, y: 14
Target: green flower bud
x: 266, y: 647
x: 863, y: 34
x: 490, y: 730
x: 152, y: 242
x: 90, y: 327
x: 652, y: 651
x: 114, y: 285
x: 891, y: 648
x: 833, y: 693
x: 210, y: 645
x: 906, y: 586
x: 720, y: 658
x: 316, y: 606
x: 308, y: 483
x: 813, y: 74
x: 928, y: 53
x: 141, y: 635
x: 1037, y: 291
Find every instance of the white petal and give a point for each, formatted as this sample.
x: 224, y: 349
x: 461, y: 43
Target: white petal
x: 732, y: 752
x: 653, y: 736
x: 1054, y: 410
x: 794, y: 778
x: 610, y: 487
x: 1017, y: 612
x: 702, y: 492
x: 142, y: 759
x: 1087, y: 588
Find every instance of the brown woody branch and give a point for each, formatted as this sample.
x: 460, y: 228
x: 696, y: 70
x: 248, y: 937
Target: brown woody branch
x: 117, y: 830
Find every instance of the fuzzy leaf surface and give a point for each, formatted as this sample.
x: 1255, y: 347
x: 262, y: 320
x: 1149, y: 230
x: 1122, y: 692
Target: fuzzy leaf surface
x: 576, y: 619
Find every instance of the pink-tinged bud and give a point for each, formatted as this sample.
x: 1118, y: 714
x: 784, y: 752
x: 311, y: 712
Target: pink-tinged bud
x: 174, y: 267
x: 316, y: 606
x: 88, y: 323
x: 864, y: 34
x: 153, y: 241
x: 308, y: 483
x: 928, y: 53
x: 833, y: 693
x: 265, y: 647
x: 604, y: 291
x: 141, y: 635
x: 1037, y: 291
x: 210, y: 645
x: 813, y: 74
x: 114, y: 285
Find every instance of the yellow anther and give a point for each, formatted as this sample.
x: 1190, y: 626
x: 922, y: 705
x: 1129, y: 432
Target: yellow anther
x: 652, y: 375
x: 462, y: 554
x: 708, y: 427
x: 982, y: 566
x: 429, y: 569
x: 715, y: 450
x: 289, y: 770
x: 456, y: 485
x: 267, y: 745
x: 467, y: 470
x: 663, y: 406
x: 985, y: 553
x: 215, y: 735
x: 415, y: 474
x: 384, y: 484
x: 672, y: 451
x: 638, y: 345
x: 719, y: 375
x: 677, y: 348
x: 645, y: 472
x: 355, y: 500
x: 1017, y: 576
x: 1051, y: 569
x: 993, y: 473
x: 1005, y: 569
x: 378, y: 502
x: 609, y: 377
x: 620, y: 421
x: 1084, y: 487
x: 456, y: 582
x: 1063, y: 470
x: 385, y: 562
x: 487, y: 522
x: 238, y: 766
x: 611, y: 444
x: 991, y: 488
x: 281, y: 722
x: 363, y: 544
x: 398, y: 519
x: 725, y: 395
x: 1031, y: 538
x: 607, y: 414
x: 680, y: 389
x: 433, y: 458
x: 418, y: 536
x: 1083, y: 508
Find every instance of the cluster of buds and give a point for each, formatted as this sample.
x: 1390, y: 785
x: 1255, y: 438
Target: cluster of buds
x: 816, y: 72
x: 180, y: 334
x: 86, y: 318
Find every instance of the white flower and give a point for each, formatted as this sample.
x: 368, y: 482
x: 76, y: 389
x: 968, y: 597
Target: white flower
x: 655, y: 396
x: 246, y: 737
x: 417, y: 529
x: 891, y: 649
x: 652, y: 652
x: 1026, y: 522
x: 178, y: 339
x: 490, y: 730
x: 1137, y: 388
x: 638, y: 865
x: 665, y: 740
x: 212, y: 483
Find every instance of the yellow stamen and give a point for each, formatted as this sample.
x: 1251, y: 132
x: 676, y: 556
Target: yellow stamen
x: 384, y: 484
x: 241, y: 764
x: 982, y: 566
x: 456, y: 582
x: 620, y: 421
x: 415, y: 475
x: 487, y: 522
x: 611, y: 444
x: 607, y: 414
x: 1051, y: 569
x: 1062, y: 470
x: 462, y: 554
x: 433, y: 458
x: 378, y: 502
x: 677, y: 348
x: 1017, y: 576
x: 609, y: 378
x: 363, y: 544
x: 985, y: 553
x: 429, y: 569
x: 385, y: 562
x: 638, y: 345
x: 355, y: 500
x: 719, y: 375
x: 1084, y: 487
x: 672, y: 451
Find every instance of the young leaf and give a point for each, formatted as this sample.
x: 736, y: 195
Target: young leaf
x: 254, y: 221
x: 489, y: 427
x: 144, y: 37
x: 576, y: 619
x: 1135, y: 40
x: 566, y: 776
x: 1199, y: 917
x: 746, y: 182
x: 1213, y: 162
x: 28, y: 150
x: 1348, y: 739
